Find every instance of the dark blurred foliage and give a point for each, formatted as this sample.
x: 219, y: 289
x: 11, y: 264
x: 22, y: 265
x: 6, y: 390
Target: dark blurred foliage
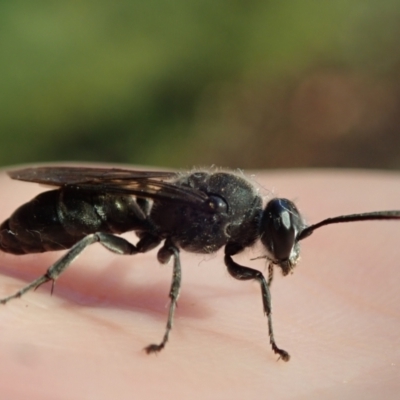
x: 252, y: 84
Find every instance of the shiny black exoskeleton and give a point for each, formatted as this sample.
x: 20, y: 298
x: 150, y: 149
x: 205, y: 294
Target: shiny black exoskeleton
x: 199, y: 212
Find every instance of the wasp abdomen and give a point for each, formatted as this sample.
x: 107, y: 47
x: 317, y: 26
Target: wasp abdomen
x: 57, y: 219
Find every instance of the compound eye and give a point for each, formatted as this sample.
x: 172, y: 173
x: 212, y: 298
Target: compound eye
x: 280, y: 223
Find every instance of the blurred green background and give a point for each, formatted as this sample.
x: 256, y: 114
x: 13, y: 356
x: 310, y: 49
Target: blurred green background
x: 251, y: 84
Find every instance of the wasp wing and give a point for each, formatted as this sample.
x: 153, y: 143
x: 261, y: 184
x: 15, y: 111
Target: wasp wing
x: 59, y: 176
x: 148, y: 184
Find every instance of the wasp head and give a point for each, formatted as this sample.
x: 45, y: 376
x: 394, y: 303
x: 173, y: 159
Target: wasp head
x: 280, y: 225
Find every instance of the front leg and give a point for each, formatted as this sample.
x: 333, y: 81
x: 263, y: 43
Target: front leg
x: 244, y: 273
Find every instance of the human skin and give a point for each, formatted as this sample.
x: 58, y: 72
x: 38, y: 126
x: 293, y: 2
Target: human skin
x: 338, y: 314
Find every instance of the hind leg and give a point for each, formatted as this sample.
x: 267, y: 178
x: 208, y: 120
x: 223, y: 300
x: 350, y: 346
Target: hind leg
x: 113, y: 243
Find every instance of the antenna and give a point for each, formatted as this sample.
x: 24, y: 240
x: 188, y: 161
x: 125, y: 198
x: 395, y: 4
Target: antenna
x: 370, y: 216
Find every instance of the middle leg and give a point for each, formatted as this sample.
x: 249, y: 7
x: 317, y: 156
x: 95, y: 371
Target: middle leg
x: 165, y: 253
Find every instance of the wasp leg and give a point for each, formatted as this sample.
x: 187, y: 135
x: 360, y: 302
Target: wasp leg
x: 164, y: 255
x: 113, y: 243
x: 244, y: 273
x: 270, y: 274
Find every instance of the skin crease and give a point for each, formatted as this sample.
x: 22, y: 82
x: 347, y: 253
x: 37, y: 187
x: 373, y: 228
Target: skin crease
x: 337, y: 315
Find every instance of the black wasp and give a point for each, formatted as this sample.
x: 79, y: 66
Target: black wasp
x: 199, y: 212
